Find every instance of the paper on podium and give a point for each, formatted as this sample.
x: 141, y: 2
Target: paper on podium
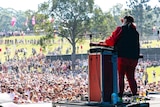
x: 100, y: 47
x: 98, y: 44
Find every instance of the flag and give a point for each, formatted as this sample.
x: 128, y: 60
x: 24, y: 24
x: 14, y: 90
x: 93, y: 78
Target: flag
x: 33, y: 20
x: 13, y: 21
x: 44, y: 21
x: 52, y: 20
x: 81, y: 47
x: 26, y: 22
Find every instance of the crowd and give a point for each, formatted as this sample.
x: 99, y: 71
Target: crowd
x: 37, y: 80
x: 142, y: 78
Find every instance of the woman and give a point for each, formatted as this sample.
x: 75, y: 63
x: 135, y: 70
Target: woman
x: 125, y: 40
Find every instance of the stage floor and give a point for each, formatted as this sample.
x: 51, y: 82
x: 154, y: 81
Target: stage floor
x: 100, y: 105
x: 154, y: 102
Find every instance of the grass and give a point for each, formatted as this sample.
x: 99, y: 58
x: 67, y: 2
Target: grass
x: 150, y: 75
x: 49, y: 48
x: 152, y: 44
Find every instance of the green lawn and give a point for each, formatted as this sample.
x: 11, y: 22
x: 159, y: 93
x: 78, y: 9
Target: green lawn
x: 150, y: 75
x: 50, y: 47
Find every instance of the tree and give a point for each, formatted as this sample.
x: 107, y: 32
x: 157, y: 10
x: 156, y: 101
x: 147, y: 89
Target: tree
x: 20, y: 17
x: 102, y: 24
x: 117, y: 13
x: 6, y: 15
x: 73, y: 19
x: 5, y: 20
x: 146, y: 17
x: 156, y: 19
x: 138, y: 7
x: 28, y: 16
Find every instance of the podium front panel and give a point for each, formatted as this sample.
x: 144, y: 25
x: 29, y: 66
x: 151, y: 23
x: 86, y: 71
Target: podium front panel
x: 107, y: 67
x: 102, y: 77
x: 94, y: 78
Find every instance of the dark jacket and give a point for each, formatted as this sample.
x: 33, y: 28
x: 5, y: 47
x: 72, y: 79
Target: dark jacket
x: 127, y: 45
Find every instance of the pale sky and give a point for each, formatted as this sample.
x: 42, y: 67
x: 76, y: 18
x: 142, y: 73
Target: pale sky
x: 107, y: 4
x: 33, y: 4
x: 21, y: 4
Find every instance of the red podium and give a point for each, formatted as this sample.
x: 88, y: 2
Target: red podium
x: 102, y: 74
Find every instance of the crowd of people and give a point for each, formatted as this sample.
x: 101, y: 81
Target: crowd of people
x: 142, y: 76
x: 37, y: 80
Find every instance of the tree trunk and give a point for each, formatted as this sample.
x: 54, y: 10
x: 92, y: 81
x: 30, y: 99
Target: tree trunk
x: 73, y: 57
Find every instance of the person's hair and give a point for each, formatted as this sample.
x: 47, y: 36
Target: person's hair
x: 129, y: 19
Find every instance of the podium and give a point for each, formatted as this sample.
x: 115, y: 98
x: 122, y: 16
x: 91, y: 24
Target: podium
x: 103, y: 76
x: 103, y: 80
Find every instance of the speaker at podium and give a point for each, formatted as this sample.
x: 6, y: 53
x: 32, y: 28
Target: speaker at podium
x: 103, y: 77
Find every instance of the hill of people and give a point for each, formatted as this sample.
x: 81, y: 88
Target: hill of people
x: 10, y: 46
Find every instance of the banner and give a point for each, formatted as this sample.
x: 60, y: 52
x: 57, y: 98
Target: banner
x: 52, y: 20
x: 26, y: 22
x: 33, y: 20
x: 13, y: 21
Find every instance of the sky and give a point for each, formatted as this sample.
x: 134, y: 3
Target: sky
x: 33, y: 4
x: 107, y: 4
x: 21, y: 4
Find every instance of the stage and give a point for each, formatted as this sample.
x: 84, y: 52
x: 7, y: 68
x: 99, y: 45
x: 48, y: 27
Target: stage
x: 146, y: 104
x: 153, y: 102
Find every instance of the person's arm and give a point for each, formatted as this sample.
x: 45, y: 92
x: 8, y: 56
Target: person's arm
x: 111, y: 40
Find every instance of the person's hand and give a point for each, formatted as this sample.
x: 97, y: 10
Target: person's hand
x: 98, y: 44
x: 94, y: 44
x: 102, y: 43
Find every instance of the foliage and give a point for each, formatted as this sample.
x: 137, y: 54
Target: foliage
x: 28, y: 16
x: 117, y: 12
x: 73, y: 19
x: 145, y: 16
x: 102, y: 24
x: 73, y: 16
x: 6, y: 15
